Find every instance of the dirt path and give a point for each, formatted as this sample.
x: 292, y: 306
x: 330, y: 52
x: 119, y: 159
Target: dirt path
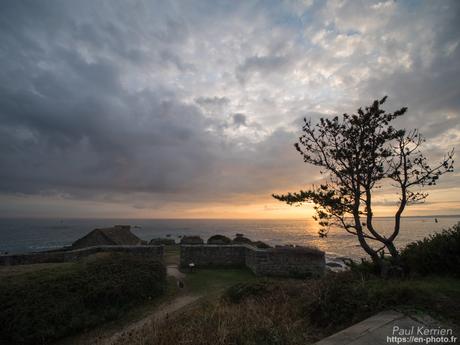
x: 162, y: 311
x: 173, y: 270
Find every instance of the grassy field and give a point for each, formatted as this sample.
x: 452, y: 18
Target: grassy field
x: 213, y: 282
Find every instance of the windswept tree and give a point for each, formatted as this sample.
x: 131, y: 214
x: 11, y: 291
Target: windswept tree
x: 357, y: 154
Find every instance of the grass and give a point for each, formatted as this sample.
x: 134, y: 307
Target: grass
x: 240, y: 308
x: 292, y: 312
x: 172, y: 255
x: 434, y: 295
x: 43, y: 304
x: 214, y: 281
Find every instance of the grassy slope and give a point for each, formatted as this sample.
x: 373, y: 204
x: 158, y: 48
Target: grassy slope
x: 299, y: 312
x: 49, y: 301
x: 434, y: 295
x: 208, y: 283
x: 283, y: 315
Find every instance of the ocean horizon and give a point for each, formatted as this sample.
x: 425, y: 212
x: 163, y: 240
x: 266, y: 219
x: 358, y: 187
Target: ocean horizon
x: 22, y: 235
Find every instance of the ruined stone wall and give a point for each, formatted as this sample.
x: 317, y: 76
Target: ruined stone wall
x: 154, y: 252
x: 286, y: 261
x: 212, y: 255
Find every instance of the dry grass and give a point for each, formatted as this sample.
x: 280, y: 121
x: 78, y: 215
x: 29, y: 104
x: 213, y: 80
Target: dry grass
x: 271, y: 319
x: 297, y: 312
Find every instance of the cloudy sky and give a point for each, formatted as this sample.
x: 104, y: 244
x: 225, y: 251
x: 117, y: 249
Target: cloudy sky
x: 191, y: 108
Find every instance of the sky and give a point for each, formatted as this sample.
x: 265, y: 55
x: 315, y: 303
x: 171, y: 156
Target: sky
x: 190, y: 109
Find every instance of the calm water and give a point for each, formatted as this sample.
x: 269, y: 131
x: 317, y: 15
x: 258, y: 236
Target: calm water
x: 26, y: 235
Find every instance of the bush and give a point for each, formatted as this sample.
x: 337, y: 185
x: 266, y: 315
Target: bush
x: 242, y: 291
x: 241, y: 240
x: 337, y: 299
x: 41, y: 306
x: 261, y: 245
x: 219, y: 239
x: 164, y: 241
x: 436, y: 254
x: 191, y: 240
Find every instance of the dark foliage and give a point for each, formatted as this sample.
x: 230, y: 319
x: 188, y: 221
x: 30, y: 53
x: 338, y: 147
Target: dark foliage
x: 437, y: 254
x: 241, y: 240
x: 45, y: 305
x: 359, y: 153
x: 219, y: 239
x: 191, y: 240
x: 261, y: 245
x: 164, y: 241
x: 242, y: 291
x: 346, y: 298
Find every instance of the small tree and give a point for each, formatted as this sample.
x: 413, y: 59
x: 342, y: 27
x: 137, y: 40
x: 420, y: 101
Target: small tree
x: 358, y: 154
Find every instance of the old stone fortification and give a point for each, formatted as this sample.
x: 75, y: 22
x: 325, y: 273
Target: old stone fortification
x: 154, y: 252
x: 282, y: 261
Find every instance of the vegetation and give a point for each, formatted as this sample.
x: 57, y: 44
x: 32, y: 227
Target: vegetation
x: 219, y: 239
x: 437, y: 254
x: 283, y: 311
x: 215, y: 281
x: 172, y: 255
x: 292, y: 312
x: 165, y: 241
x: 41, y: 306
x: 360, y: 153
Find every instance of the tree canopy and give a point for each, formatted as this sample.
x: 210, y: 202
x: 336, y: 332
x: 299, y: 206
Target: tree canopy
x: 358, y: 154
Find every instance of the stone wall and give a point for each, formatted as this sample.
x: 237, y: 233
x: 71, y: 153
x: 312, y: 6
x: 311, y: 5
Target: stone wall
x: 155, y: 252
x: 212, y: 255
x: 284, y: 261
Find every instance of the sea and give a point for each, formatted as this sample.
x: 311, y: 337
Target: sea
x: 31, y: 235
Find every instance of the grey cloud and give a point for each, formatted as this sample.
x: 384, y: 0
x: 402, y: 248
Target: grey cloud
x: 212, y: 101
x: 196, y: 102
x: 262, y: 65
x: 239, y: 120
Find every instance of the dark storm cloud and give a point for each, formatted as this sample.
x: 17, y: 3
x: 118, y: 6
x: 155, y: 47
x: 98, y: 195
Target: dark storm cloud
x: 188, y: 102
x: 69, y: 124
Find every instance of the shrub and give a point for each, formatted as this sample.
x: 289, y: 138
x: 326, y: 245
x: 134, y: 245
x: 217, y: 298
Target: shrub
x: 41, y: 306
x: 437, y: 254
x: 191, y: 240
x: 219, y: 239
x: 261, y: 245
x: 242, y: 291
x: 336, y: 299
x: 160, y: 241
x: 241, y: 240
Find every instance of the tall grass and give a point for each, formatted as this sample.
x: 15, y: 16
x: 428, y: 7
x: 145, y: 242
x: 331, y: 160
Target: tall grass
x: 297, y: 312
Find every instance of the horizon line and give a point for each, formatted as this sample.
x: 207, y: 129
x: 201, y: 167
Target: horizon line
x: 169, y: 218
